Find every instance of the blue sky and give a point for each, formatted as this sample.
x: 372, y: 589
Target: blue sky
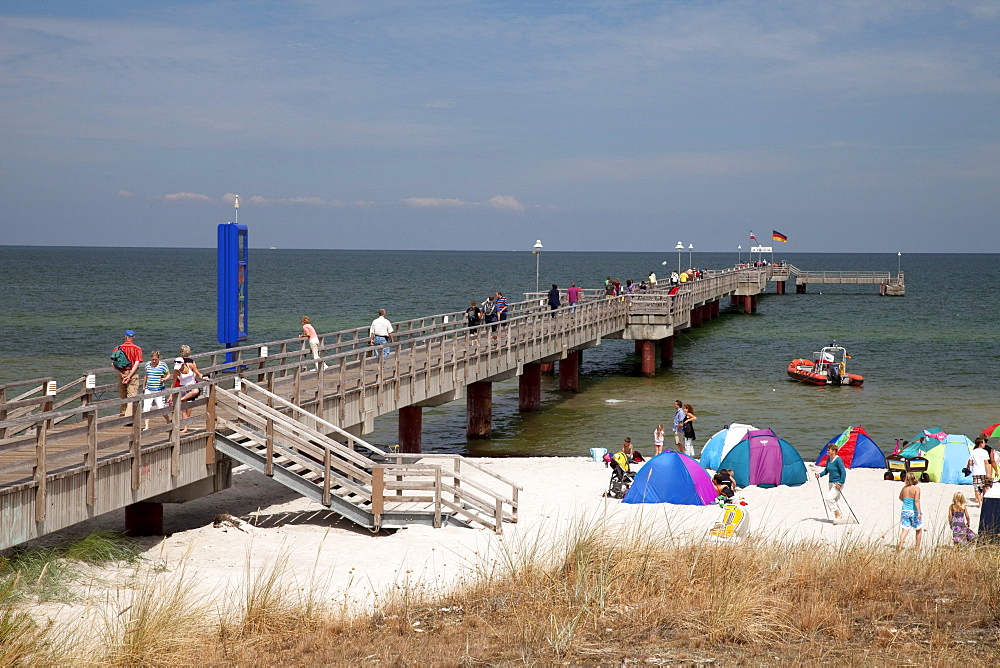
x: 869, y: 126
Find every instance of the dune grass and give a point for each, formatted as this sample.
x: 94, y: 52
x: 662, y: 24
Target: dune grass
x: 595, y: 595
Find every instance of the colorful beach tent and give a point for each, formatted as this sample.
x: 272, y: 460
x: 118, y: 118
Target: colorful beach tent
x: 765, y: 460
x: 857, y: 449
x: 671, y: 477
x: 945, y: 457
x: 992, y: 431
x: 721, y: 443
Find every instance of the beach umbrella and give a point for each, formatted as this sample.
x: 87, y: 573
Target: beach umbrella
x: 924, y: 441
x: 721, y: 443
x: 992, y: 431
x: 856, y: 448
x: 672, y: 477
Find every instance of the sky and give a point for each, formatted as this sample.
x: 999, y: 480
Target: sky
x: 630, y: 125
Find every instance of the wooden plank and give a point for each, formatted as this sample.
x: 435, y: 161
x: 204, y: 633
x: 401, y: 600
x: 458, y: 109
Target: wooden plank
x: 136, y: 445
x: 378, y: 493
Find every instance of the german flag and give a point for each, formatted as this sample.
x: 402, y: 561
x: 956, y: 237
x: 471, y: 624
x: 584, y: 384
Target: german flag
x: 778, y: 236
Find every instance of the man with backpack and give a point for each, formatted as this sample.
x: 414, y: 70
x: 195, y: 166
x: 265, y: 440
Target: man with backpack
x: 126, y: 359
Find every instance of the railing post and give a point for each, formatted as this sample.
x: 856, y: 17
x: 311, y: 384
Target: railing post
x: 378, y: 493
x: 326, y: 476
x: 175, y: 435
x: 210, y: 425
x: 457, y: 482
x: 40, y: 470
x: 437, y: 497
x: 91, y: 463
x: 498, y: 516
x: 136, y: 443
x: 269, y: 447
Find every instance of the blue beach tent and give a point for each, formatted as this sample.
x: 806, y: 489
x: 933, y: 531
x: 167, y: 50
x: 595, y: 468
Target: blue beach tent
x: 671, y: 477
x: 721, y: 443
x: 765, y: 460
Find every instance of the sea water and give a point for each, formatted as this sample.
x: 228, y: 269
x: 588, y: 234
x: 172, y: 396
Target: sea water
x: 930, y: 358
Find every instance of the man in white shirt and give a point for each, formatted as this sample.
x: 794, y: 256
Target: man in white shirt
x: 978, y: 462
x: 380, y: 333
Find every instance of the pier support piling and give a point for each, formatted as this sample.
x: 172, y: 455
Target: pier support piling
x: 800, y: 289
x: 411, y: 419
x: 569, y: 372
x: 479, y: 409
x: 529, y: 388
x: 548, y: 368
x: 779, y: 287
x: 648, y: 358
x: 144, y: 519
x: 667, y: 352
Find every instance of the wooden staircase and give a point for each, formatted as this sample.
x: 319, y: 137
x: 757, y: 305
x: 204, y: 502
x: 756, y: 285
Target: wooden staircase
x: 363, y: 483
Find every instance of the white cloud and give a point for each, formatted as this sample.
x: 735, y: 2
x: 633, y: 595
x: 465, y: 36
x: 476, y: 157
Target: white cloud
x: 126, y: 193
x: 426, y: 202
x: 187, y: 197
x: 439, y: 104
x: 506, y: 202
x: 312, y: 201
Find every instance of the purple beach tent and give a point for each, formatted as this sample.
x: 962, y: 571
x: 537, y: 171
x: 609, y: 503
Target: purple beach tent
x: 672, y: 477
x: 765, y: 460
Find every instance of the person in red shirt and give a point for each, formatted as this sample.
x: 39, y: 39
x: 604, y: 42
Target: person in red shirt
x: 128, y: 377
x: 573, y: 295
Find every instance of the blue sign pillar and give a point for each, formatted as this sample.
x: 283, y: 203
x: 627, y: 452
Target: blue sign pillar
x: 233, y: 281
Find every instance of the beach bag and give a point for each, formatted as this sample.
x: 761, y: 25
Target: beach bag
x: 119, y: 359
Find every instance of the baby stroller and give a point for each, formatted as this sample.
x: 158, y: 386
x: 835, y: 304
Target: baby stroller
x: 621, y: 475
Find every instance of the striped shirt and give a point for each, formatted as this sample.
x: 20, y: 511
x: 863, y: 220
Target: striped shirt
x: 501, y: 305
x: 156, y: 376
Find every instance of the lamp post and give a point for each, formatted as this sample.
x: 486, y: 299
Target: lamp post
x: 690, y: 255
x: 538, y: 256
x: 899, y: 262
x: 739, y: 253
x: 679, y: 247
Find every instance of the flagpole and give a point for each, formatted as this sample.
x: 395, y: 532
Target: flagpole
x: 236, y: 205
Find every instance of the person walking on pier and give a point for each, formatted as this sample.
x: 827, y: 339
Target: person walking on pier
x: 679, y: 418
x: 554, y: 302
x: 380, y: 333
x: 157, y: 373
x: 474, y: 316
x: 128, y: 371
x: 652, y: 279
x: 490, y: 312
x: 309, y: 332
x: 573, y: 295
x: 501, y: 305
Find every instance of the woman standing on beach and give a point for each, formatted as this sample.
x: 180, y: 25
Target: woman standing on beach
x: 658, y: 439
x: 688, y: 428
x: 911, y: 517
x: 838, y: 476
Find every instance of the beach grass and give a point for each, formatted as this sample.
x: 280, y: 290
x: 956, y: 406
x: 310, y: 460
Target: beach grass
x: 594, y: 594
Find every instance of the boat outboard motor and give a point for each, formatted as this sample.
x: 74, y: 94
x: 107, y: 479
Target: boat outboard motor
x: 833, y: 374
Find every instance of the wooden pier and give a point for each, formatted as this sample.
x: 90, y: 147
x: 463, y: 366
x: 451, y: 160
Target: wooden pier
x: 66, y: 456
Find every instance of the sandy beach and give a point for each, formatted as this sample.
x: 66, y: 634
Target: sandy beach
x: 354, y: 569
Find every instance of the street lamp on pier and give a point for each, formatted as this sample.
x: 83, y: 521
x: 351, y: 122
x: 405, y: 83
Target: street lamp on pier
x: 739, y: 253
x: 679, y: 247
x: 538, y: 256
x: 690, y: 256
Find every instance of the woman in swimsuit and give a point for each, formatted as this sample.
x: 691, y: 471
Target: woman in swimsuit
x: 911, y: 517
